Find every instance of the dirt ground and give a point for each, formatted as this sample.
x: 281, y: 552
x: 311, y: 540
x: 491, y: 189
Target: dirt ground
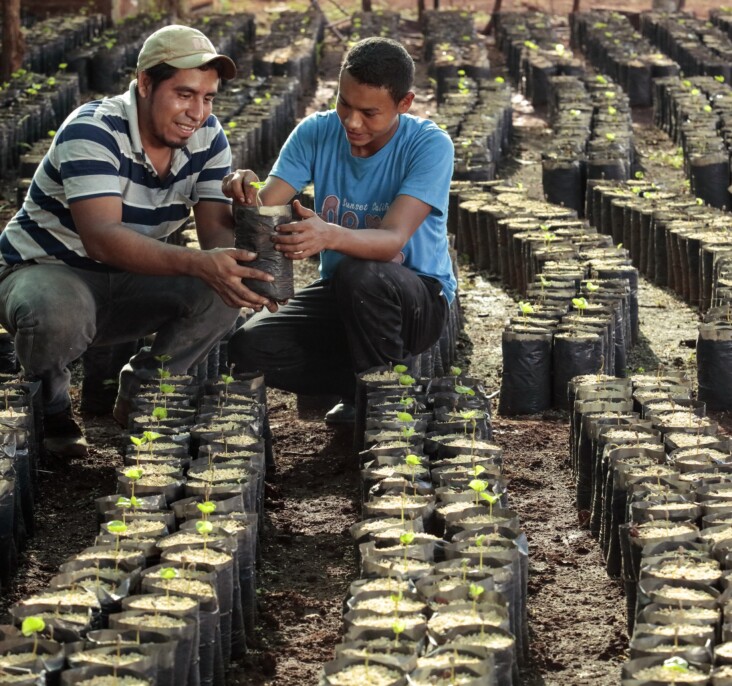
x: 577, y: 615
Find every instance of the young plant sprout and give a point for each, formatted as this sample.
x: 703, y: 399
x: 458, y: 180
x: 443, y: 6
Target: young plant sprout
x: 396, y: 598
x: 464, y: 566
x: 406, y: 539
x: 580, y: 304
x: 407, y: 380
x: 413, y: 462
x: 400, y: 369
x: 116, y: 527
x: 475, y: 593
x: 398, y: 627
x: 676, y: 664
x: 165, y: 390
x: 258, y: 185
x: 526, y: 309
x: 133, y: 474
x: 227, y: 379
x: 478, y: 486
x: 166, y: 574
x: 159, y: 413
x: 592, y: 287
x: 480, y: 542
x: 206, y: 508
x: 163, y: 373
x: 491, y: 499
x: 32, y: 626
x: 204, y: 528
x: 455, y: 371
x: 125, y: 504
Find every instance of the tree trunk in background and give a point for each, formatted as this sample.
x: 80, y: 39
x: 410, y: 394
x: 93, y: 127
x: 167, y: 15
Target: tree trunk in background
x: 13, y: 48
x: 491, y: 22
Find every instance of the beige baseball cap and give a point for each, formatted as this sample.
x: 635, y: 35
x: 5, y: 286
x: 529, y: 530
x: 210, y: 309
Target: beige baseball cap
x: 182, y: 47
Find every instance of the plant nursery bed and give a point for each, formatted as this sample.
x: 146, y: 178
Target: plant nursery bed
x: 307, y: 558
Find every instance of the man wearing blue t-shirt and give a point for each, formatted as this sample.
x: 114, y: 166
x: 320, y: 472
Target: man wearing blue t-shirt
x: 381, y: 179
x: 85, y: 263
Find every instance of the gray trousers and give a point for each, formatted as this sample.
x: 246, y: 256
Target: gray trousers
x: 56, y: 312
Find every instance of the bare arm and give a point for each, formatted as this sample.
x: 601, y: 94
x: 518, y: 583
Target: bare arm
x: 107, y: 240
x: 312, y: 234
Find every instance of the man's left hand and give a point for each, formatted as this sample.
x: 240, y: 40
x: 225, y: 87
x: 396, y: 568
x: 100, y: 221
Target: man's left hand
x: 301, y: 239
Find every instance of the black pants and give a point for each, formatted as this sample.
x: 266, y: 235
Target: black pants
x: 369, y: 314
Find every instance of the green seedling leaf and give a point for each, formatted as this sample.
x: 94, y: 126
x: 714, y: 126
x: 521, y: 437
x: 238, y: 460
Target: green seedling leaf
x: 676, y: 664
x: 531, y: 45
x: 116, y: 526
x: 580, y: 303
x: 404, y: 417
x: 719, y: 78
x: 477, y: 470
x: 592, y: 287
x: 168, y: 573
x: 612, y: 111
x: 207, y: 507
x: 407, y: 401
x: 464, y: 390
x: 163, y: 358
x: 133, y: 473
x: 478, y: 485
x: 476, y: 591
x: 151, y: 436
x: 470, y: 414
x: 398, y: 626
x: 500, y: 79
x: 480, y: 540
x: 400, y: 368
x: 559, y: 49
x: 526, y: 308
x: 166, y: 388
x: 600, y: 78
x: 455, y: 371
x: 137, y: 441
x: 32, y: 625
x: 160, y: 413
x: 610, y: 136
x: 413, y: 460
x: 406, y: 380
x: 227, y: 379
x: 639, y: 175
x: 123, y: 502
x: 490, y: 498
x: 204, y: 527
x: 406, y: 538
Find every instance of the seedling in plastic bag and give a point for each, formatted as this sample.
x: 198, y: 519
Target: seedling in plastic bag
x: 405, y: 540
x: 32, y: 626
x: 475, y: 592
x: 116, y: 527
x: 398, y: 627
x: 206, y: 508
x: 134, y: 474
x: 167, y: 574
x: 204, y: 528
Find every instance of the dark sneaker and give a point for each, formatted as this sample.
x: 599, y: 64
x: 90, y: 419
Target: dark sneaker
x: 62, y: 435
x: 342, y: 413
x: 122, y: 410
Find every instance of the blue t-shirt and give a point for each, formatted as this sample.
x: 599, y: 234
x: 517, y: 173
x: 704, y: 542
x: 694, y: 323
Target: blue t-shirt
x: 356, y: 192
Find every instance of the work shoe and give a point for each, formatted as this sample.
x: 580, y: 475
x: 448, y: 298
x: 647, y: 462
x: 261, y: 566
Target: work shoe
x: 123, y: 408
x: 342, y: 413
x: 62, y: 435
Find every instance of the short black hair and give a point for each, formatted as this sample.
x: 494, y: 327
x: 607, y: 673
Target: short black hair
x: 381, y: 62
x: 162, y: 72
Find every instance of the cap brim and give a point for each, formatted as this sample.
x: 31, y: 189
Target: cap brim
x: 228, y: 68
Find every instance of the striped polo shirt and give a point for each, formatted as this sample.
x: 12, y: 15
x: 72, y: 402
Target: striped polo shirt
x: 97, y: 152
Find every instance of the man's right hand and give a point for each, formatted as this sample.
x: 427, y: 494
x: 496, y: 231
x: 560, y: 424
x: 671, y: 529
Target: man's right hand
x: 238, y: 186
x: 221, y: 270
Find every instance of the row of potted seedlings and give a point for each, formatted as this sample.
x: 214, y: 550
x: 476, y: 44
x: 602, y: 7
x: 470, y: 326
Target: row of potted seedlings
x: 613, y: 46
x: 696, y: 113
x: 581, y: 311
x: 451, y: 46
x: 166, y: 594
x: 684, y: 245
x: 591, y: 118
x: 19, y: 431
x: 534, y: 52
x: 652, y: 475
x: 696, y: 45
x: 443, y: 562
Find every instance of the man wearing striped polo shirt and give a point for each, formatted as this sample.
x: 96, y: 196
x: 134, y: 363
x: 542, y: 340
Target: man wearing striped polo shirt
x: 85, y: 263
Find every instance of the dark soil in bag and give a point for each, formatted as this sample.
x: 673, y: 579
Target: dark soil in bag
x: 254, y: 228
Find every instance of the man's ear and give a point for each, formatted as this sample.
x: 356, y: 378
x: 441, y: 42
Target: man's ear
x: 143, y: 84
x: 405, y: 103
